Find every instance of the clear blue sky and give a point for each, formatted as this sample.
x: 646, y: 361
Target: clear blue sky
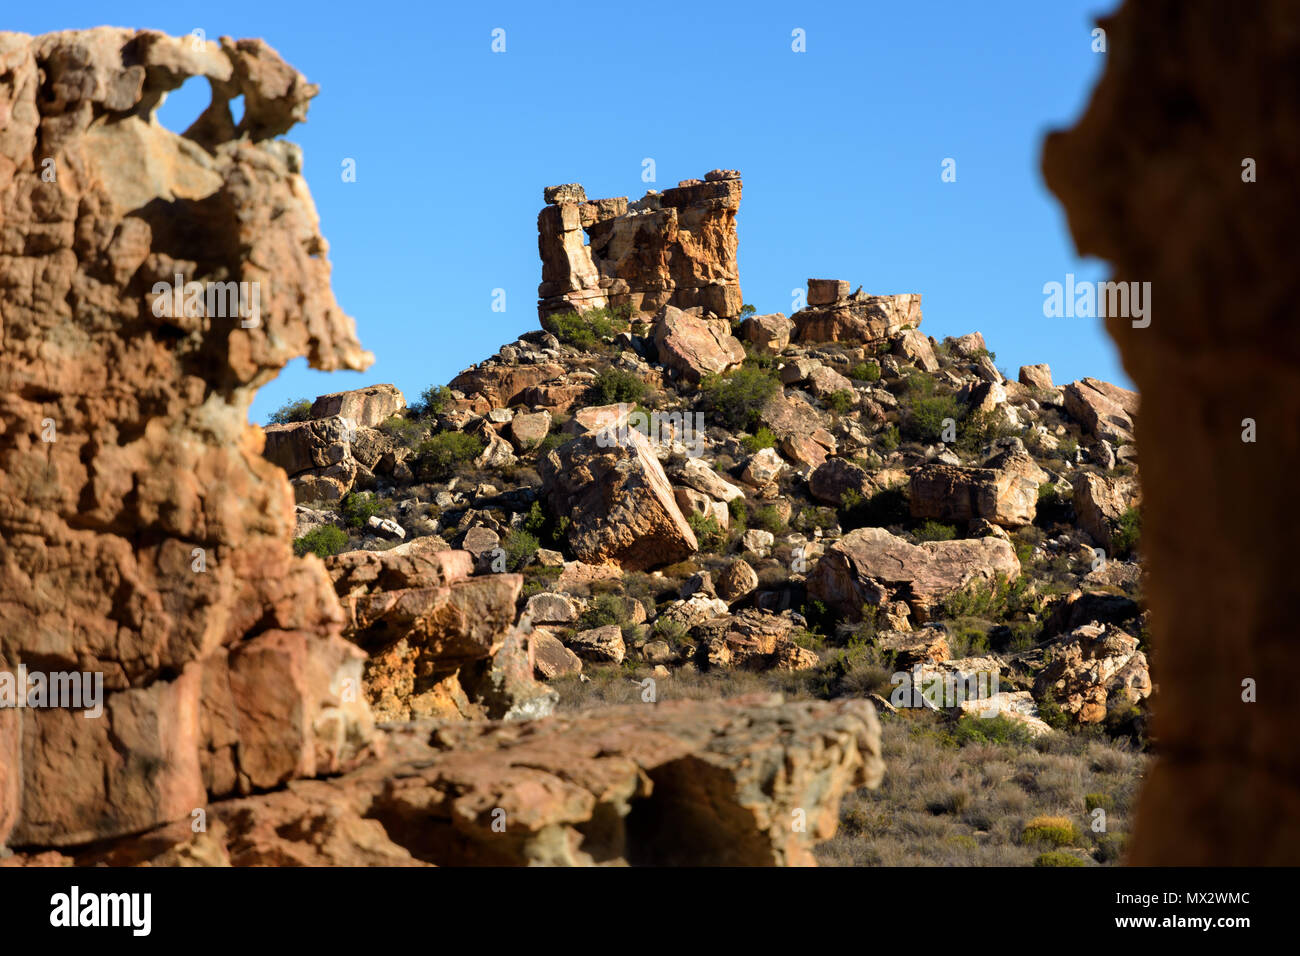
x: 840, y: 148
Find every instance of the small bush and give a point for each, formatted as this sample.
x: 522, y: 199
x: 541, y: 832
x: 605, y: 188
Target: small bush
x: 763, y: 438
x: 298, y: 410
x: 708, y: 532
x: 587, y: 329
x: 925, y: 419
x: 614, y: 385
x: 767, y: 518
x: 991, y: 730
x: 1057, y: 858
x: 439, y: 456
x: 890, y: 438
x: 935, y: 531
x: 842, y: 401
x: 322, y: 542
x: 1058, y: 831
x: 1095, y: 800
x: 403, y: 430
x: 358, y: 507
x: 865, y: 372
x: 737, y: 397
x: 1125, y: 539
x: 519, y: 546
x: 433, y: 401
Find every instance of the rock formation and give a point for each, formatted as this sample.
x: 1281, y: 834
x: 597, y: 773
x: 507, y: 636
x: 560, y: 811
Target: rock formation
x: 676, y: 248
x: 1154, y: 179
x: 149, y: 283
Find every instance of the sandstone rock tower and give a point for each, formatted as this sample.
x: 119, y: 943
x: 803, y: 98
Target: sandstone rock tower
x: 676, y: 248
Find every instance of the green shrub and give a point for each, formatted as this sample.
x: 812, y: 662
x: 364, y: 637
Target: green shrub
x: 979, y: 428
x: 1124, y: 541
x: 298, y: 410
x: 935, y: 531
x: 890, y: 438
x: 1058, y: 831
x: 587, y: 329
x: 865, y: 372
x: 1057, y: 858
x: 402, y: 430
x: 768, y: 518
x: 924, y: 420
x: 1094, y: 801
x: 438, y: 457
x: 322, y: 542
x: 358, y: 507
x: 614, y: 385
x: 842, y: 401
x: 991, y: 730
x: 519, y: 546
x: 737, y: 397
x: 433, y: 401
x: 763, y: 438
x: 708, y: 532
x: 739, y: 512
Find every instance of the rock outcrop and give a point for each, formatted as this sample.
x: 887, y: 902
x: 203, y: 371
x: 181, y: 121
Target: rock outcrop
x: 1217, y: 535
x: 617, y: 499
x: 676, y: 248
x: 832, y: 315
x: 149, y: 283
x: 751, y: 781
x: 872, y: 566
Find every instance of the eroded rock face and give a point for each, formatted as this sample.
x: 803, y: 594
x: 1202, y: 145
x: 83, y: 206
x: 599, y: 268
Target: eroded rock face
x: 142, y: 535
x: 833, y: 315
x: 1213, y: 512
x: 368, y: 406
x: 872, y: 566
x: 1006, y: 495
x: 677, y: 783
x: 620, y: 506
x: 676, y: 248
x: 694, y: 346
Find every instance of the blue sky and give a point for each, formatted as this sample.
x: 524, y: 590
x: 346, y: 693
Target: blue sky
x: 841, y: 149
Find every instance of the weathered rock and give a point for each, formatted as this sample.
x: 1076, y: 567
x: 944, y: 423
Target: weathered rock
x: 696, y: 473
x: 763, y: 467
x: 827, y: 291
x: 859, y: 319
x: 150, y: 463
x: 914, y: 345
x: 1105, y: 410
x: 1094, y: 670
x: 618, y: 500
x: 758, y: 541
x: 754, y: 640
x: 551, y: 658
x: 695, y: 502
x: 693, y: 346
x: 1036, y: 376
x: 831, y: 480
x: 872, y: 566
x: 504, y: 385
x: 300, y: 446
x: 695, y: 609
x: 601, y: 644
x: 824, y: 382
x: 1006, y: 496
x: 1100, y: 502
x: 798, y: 370
x: 909, y: 648
x: 549, y: 608
x: 529, y: 429
x: 737, y: 581
x: 968, y: 346
x: 368, y: 407
x: 789, y: 417
x: 675, y: 248
x: 768, y: 333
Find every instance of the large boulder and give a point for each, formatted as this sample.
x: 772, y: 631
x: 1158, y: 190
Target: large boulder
x: 619, y: 503
x: 1104, y: 410
x: 1100, y: 502
x: 301, y: 446
x: 872, y: 566
x: 368, y: 406
x: 694, y: 346
x: 1006, y: 495
x: 768, y: 333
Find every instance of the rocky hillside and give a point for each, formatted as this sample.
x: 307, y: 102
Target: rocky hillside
x: 660, y: 479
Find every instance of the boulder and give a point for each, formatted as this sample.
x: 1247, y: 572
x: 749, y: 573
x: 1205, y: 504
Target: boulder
x: 529, y: 429
x: 1100, y: 502
x: 914, y: 346
x: 301, y: 446
x: 754, y: 640
x: 1006, y: 496
x: 1105, y: 411
x: 693, y: 346
x: 738, y: 580
x: 831, y: 480
x: 763, y: 468
x: 1036, y: 376
x: 368, y: 407
x: 858, y: 319
x: 769, y: 334
x: 827, y: 291
x: 551, y: 658
x: 872, y: 566
x: 549, y: 608
x: 617, y: 498
x: 600, y: 644
x: 696, y: 473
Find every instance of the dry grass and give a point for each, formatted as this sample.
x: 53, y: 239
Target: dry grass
x: 944, y: 802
